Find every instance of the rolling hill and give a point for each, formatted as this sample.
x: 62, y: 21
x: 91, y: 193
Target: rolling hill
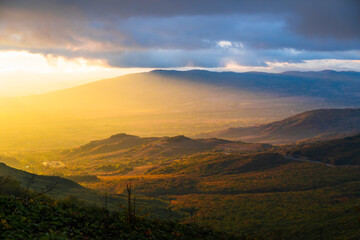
x: 322, y: 123
x: 65, y: 188
x: 167, y: 103
x: 244, y: 188
x: 129, y: 154
x: 252, y: 191
x: 343, y: 151
x: 156, y: 146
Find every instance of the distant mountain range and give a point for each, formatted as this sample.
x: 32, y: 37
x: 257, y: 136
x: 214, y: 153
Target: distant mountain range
x: 336, y: 87
x: 160, y: 146
x: 122, y: 153
x: 168, y: 103
x: 322, y: 123
x: 167, y: 146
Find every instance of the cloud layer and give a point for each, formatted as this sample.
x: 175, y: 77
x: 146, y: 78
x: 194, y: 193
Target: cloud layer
x: 170, y: 34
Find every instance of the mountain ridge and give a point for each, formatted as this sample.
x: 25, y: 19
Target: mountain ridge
x: 210, y: 74
x: 305, y: 125
x: 168, y: 146
x: 149, y: 104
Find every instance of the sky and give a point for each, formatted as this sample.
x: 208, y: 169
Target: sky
x: 47, y: 45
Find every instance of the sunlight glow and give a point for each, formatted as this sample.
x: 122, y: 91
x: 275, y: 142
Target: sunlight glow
x: 24, y: 73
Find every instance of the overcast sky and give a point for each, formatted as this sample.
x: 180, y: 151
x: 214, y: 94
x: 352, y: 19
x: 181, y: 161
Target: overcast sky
x: 234, y: 35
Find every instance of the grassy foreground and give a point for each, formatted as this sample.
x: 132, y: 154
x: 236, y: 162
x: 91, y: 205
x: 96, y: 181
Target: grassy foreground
x: 28, y: 215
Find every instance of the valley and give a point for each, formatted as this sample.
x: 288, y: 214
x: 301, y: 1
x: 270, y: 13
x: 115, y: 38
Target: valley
x: 179, y: 120
x: 267, y: 173
x: 237, y: 187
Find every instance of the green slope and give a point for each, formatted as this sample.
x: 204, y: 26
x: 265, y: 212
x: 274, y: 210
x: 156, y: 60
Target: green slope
x: 49, y: 219
x: 66, y: 188
x: 344, y: 151
x: 242, y: 188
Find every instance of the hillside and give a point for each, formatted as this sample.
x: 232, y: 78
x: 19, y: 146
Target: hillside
x: 128, y: 154
x: 320, y: 123
x: 247, y: 189
x: 47, y: 218
x: 170, y: 146
x: 151, y: 104
x: 245, y: 192
x: 65, y: 188
x: 9, y: 160
x: 344, y: 151
x: 114, y: 143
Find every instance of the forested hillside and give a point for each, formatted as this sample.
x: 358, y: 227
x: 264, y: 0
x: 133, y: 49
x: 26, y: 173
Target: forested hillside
x: 28, y: 215
x: 252, y: 190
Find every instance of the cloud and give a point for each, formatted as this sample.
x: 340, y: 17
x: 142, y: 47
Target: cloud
x: 202, y: 33
x: 307, y: 65
x: 321, y: 17
x: 224, y: 44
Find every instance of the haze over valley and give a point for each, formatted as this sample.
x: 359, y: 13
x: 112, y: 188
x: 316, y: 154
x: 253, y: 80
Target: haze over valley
x: 216, y: 120
x: 168, y: 103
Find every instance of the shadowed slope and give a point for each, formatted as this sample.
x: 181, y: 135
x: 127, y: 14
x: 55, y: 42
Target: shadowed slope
x: 65, y: 188
x: 344, y: 151
x: 309, y: 124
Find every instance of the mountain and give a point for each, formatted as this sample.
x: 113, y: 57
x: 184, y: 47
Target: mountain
x: 320, y: 123
x: 168, y: 103
x: 343, y: 151
x: 157, y: 146
x: 339, y: 87
x: 114, y: 143
x: 129, y: 154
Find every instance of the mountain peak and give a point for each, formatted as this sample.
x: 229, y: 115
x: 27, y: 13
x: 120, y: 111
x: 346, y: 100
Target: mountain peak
x: 180, y: 138
x: 122, y: 135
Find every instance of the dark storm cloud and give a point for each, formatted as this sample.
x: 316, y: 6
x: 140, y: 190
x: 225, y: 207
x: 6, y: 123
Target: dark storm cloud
x: 331, y: 18
x: 163, y: 33
x: 335, y: 18
x: 255, y: 31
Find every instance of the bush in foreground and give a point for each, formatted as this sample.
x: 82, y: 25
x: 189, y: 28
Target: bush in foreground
x: 49, y: 219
